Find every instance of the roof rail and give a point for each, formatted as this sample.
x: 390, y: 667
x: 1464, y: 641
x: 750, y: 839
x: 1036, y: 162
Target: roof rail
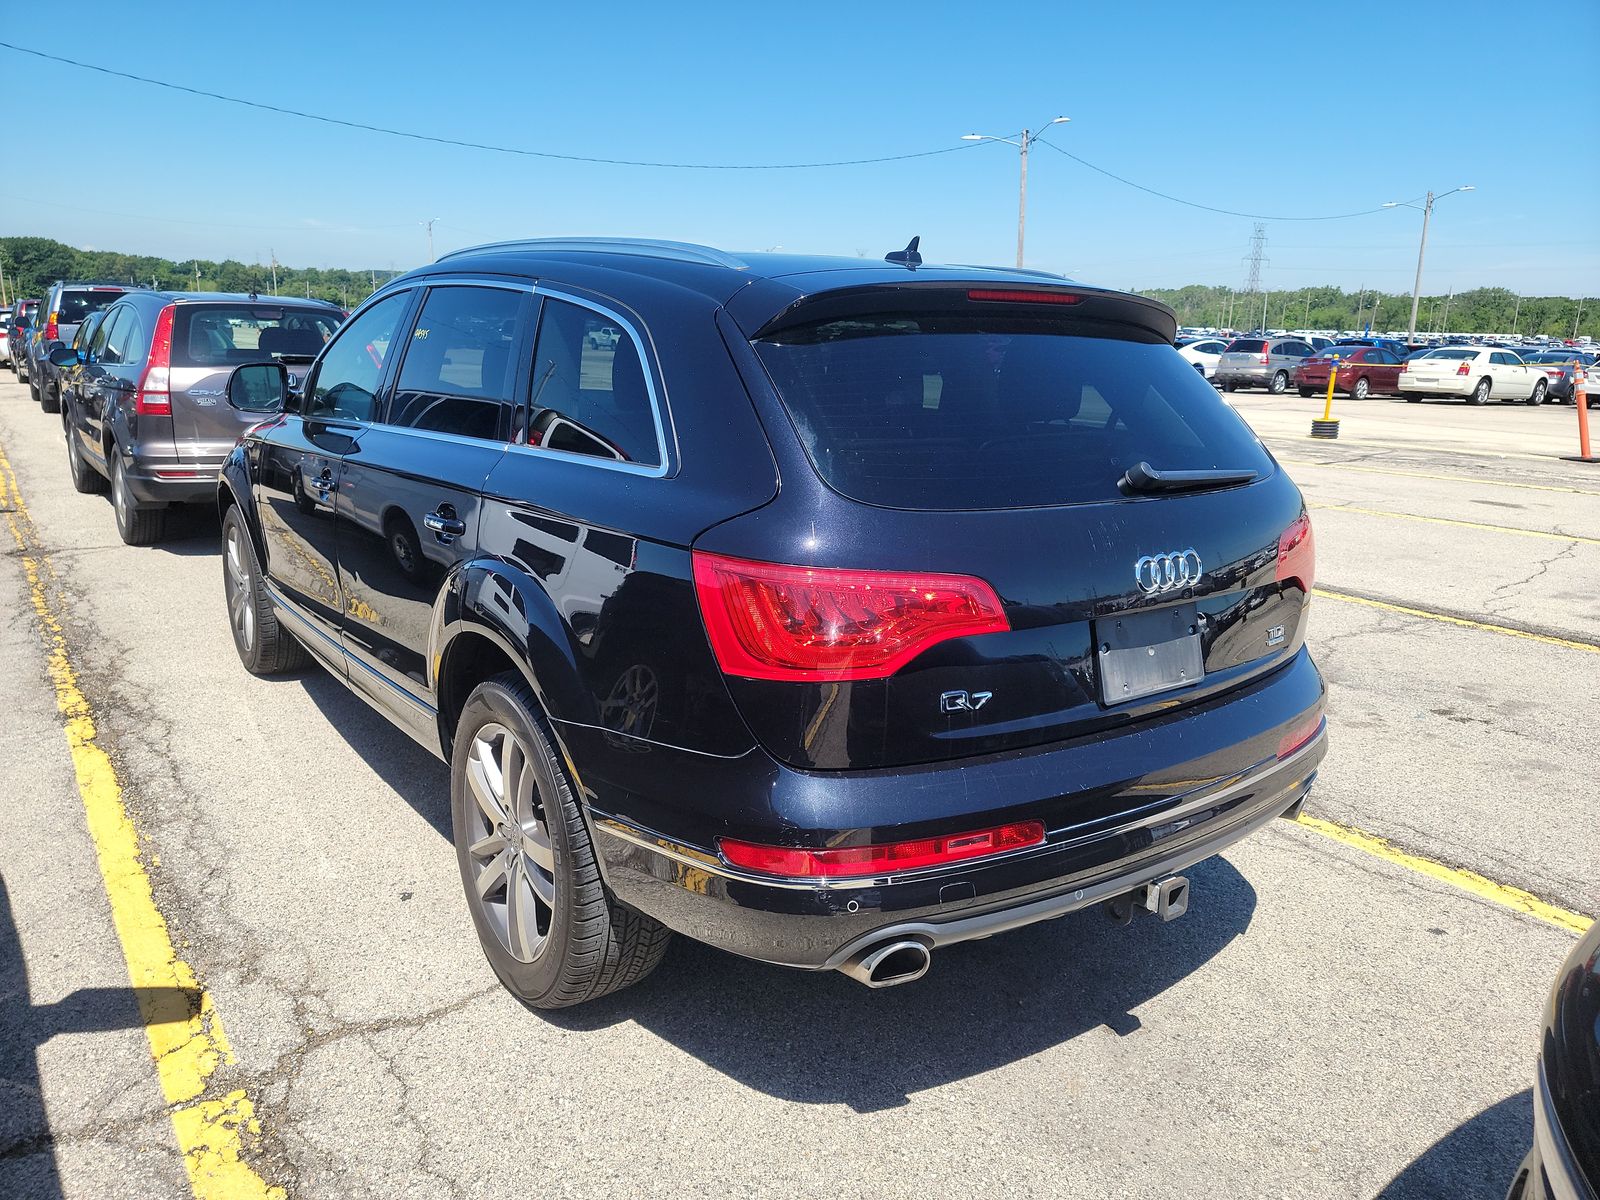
x: 645, y: 247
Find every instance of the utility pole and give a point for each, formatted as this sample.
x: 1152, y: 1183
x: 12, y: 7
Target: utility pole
x: 429, y: 222
x: 197, y: 274
x: 274, y: 255
x: 1444, y: 324
x: 1252, y: 283
x: 1577, y: 318
x: 1361, y: 301
x: 3, y: 299
x: 1422, y: 247
x: 1516, y: 315
x: 1027, y: 138
x: 1377, y: 303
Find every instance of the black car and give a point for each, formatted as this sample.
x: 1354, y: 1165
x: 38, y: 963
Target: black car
x: 833, y: 612
x: 148, y: 411
x: 1564, y: 1163
x: 62, y: 312
x: 23, y: 314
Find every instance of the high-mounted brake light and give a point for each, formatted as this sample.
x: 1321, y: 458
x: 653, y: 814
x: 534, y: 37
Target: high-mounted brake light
x: 800, y: 863
x: 154, y: 399
x: 1018, y: 296
x: 768, y: 621
x: 1297, y: 553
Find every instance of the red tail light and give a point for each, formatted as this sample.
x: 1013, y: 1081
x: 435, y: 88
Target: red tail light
x: 153, y: 399
x: 1266, y: 360
x: 51, y: 331
x: 767, y: 621
x: 1465, y: 368
x: 1017, y: 296
x: 882, y: 859
x: 1299, y: 736
x: 1297, y: 553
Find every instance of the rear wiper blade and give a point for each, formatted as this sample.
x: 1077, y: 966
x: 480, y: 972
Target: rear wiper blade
x: 1142, y: 477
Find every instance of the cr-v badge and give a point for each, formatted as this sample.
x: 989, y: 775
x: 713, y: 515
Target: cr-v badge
x: 1157, y: 573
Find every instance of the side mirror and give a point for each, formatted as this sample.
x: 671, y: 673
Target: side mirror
x: 259, y: 387
x: 63, y: 356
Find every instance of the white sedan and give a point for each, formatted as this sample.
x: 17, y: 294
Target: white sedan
x: 1203, y: 353
x: 1476, y: 374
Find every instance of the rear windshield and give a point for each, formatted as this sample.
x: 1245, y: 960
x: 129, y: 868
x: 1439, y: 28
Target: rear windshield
x: 969, y: 412
x: 75, y: 306
x: 1246, y: 346
x: 221, y: 335
x: 1462, y: 353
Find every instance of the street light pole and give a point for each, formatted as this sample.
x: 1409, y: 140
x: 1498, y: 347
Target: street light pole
x: 429, y: 223
x: 1422, y: 249
x: 1025, y: 140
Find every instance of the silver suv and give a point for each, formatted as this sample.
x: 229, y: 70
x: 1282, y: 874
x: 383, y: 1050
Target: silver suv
x: 149, y: 412
x: 1267, y: 362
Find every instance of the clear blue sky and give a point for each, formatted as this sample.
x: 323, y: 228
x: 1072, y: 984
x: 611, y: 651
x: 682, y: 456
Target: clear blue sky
x: 1261, y: 108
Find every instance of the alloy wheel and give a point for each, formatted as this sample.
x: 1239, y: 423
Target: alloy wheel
x: 119, y: 490
x: 512, y: 859
x: 241, y: 590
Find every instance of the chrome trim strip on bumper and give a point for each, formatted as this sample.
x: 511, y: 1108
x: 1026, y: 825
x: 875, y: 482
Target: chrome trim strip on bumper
x: 1149, y: 815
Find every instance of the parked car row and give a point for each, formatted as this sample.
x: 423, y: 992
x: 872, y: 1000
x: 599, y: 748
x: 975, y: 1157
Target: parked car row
x: 1366, y: 366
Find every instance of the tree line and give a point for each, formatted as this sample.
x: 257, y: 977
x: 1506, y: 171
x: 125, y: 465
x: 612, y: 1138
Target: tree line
x: 1481, y: 310
x: 32, y: 264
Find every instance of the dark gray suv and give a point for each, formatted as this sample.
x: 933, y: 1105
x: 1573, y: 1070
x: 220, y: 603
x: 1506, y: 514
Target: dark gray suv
x: 62, y: 312
x: 149, y: 411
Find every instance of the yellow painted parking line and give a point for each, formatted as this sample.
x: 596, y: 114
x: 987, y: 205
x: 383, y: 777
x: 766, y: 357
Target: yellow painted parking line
x: 1463, y: 622
x: 1505, y: 483
x: 1349, y: 439
x: 1513, y: 529
x: 1468, y: 881
x: 187, y: 1041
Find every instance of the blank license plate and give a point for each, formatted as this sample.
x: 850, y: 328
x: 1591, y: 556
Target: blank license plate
x: 1148, y: 652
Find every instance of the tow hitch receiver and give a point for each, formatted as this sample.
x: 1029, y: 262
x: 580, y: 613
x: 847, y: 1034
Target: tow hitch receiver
x: 1168, y: 898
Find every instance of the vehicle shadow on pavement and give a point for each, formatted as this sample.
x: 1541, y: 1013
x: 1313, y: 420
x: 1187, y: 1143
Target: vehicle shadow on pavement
x: 27, y: 1142
x: 416, y: 776
x: 1478, y: 1158
x: 825, y: 1039
x: 192, y: 530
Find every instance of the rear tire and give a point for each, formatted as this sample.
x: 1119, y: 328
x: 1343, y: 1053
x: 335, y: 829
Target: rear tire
x: 1539, y: 390
x: 265, y: 647
x: 1413, y: 399
x: 1480, y: 393
x: 84, y: 477
x: 1279, y: 384
x: 136, y: 526
x: 33, y: 390
x: 50, y: 397
x: 1228, y: 385
x: 1362, y: 389
x: 528, y: 839
x: 1306, y: 393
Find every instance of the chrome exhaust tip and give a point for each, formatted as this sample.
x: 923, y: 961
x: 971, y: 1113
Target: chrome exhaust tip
x: 890, y: 964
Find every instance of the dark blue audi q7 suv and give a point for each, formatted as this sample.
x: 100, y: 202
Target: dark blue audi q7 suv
x: 830, y: 612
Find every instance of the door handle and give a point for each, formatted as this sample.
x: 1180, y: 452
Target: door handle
x: 444, y: 523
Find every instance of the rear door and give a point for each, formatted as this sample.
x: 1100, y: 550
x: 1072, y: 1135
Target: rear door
x: 994, y: 442
x: 208, y: 341
x: 411, y: 489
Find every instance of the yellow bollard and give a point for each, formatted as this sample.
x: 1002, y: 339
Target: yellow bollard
x: 1328, y: 427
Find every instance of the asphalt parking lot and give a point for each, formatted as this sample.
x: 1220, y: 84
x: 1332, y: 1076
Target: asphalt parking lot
x: 1325, y: 1022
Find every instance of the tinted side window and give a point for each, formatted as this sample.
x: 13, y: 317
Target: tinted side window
x: 98, y: 345
x: 126, y: 340
x: 589, y: 394
x: 460, y: 370
x: 349, y: 373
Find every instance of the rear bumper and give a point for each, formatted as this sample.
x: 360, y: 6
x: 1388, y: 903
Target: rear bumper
x: 1246, y: 376
x: 1222, y: 787
x: 1454, y: 385
x: 172, y: 483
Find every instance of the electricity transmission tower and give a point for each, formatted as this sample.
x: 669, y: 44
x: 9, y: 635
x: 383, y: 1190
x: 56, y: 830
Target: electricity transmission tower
x: 1257, y: 259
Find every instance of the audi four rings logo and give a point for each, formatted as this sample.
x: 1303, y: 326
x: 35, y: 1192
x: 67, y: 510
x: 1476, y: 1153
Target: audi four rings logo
x: 1157, y: 573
